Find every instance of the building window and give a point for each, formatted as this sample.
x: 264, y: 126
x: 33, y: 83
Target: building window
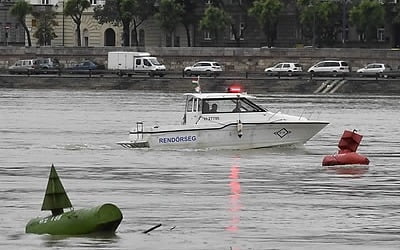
x: 207, y: 35
x: 361, y: 37
x: 232, y: 35
x: 177, y: 41
x: 168, y: 40
x: 45, y: 1
x: 381, y: 34
x: 85, y: 38
x: 141, y: 37
x: 241, y: 31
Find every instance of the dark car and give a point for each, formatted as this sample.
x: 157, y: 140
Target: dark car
x: 48, y: 65
x: 86, y: 66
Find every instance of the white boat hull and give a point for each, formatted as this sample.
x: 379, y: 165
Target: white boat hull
x: 254, y: 135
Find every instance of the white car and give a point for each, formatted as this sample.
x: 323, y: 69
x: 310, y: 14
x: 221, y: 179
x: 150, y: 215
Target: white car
x: 208, y: 68
x: 284, y: 68
x: 333, y: 68
x: 374, y: 69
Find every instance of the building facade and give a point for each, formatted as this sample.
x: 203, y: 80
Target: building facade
x: 243, y: 32
x: 11, y: 31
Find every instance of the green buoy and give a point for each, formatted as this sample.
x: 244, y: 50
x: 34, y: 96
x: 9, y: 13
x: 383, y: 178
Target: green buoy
x: 101, y: 219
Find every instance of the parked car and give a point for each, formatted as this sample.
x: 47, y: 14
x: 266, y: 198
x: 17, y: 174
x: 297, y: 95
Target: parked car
x: 48, y: 65
x: 25, y: 66
x: 86, y: 66
x: 375, y: 69
x: 285, y: 68
x: 204, y: 68
x: 333, y: 68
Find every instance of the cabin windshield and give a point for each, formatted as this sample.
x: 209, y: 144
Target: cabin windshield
x: 229, y: 105
x: 154, y: 61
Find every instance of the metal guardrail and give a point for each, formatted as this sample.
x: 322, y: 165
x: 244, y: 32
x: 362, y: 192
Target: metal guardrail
x: 225, y: 74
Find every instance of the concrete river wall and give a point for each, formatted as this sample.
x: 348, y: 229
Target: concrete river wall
x: 271, y: 85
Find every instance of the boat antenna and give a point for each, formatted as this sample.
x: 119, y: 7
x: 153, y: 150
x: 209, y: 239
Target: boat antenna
x: 55, y: 199
x: 196, y: 83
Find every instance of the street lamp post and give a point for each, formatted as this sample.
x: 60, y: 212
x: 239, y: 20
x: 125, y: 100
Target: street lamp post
x: 63, y: 21
x: 63, y: 17
x: 312, y: 6
x: 344, y: 21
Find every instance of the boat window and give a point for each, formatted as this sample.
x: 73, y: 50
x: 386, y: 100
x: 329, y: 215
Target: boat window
x: 248, y: 106
x: 195, y: 105
x: 229, y: 105
x: 189, y: 104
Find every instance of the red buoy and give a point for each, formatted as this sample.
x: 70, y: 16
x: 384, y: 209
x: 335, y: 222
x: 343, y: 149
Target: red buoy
x: 347, y: 154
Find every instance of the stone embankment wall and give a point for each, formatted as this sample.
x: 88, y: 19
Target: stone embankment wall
x: 233, y: 59
x: 351, y: 87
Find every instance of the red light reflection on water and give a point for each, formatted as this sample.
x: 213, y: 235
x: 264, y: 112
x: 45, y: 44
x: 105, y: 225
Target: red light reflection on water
x: 349, y: 170
x: 234, y: 198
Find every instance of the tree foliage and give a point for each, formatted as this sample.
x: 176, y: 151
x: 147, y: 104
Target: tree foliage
x: 320, y: 20
x: 45, y: 26
x: 20, y: 9
x: 367, y: 17
x: 126, y: 13
x: 75, y: 9
x: 214, y: 20
x: 170, y: 14
x: 237, y: 10
x: 267, y: 14
x: 188, y: 17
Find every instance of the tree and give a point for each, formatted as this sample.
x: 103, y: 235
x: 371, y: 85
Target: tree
x: 20, y: 9
x: 238, y: 11
x: 74, y: 9
x: 267, y: 14
x: 188, y: 17
x: 45, y: 22
x: 126, y: 12
x: 320, y: 20
x: 367, y: 17
x: 392, y: 17
x: 214, y: 20
x: 170, y: 15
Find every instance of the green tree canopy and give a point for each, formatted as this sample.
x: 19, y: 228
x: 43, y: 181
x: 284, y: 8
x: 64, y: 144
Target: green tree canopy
x: 367, y: 17
x: 20, y: 9
x: 45, y: 17
x: 126, y: 13
x: 170, y: 15
x: 238, y: 11
x: 188, y: 17
x: 75, y: 9
x: 267, y: 14
x: 320, y: 20
x: 214, y: 20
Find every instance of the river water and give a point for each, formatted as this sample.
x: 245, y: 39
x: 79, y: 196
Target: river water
x: 278, y: 198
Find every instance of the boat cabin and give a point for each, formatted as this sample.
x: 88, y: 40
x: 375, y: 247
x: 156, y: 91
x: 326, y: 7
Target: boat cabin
x: 224, y: 106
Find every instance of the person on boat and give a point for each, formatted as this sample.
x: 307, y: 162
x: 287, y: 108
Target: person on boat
x: 214, y: 108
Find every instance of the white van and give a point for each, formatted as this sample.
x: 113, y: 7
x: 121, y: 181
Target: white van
x: 24, y: 66
x: 330, y: 67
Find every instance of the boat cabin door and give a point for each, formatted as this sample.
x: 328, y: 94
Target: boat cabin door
x: 192, y: 110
